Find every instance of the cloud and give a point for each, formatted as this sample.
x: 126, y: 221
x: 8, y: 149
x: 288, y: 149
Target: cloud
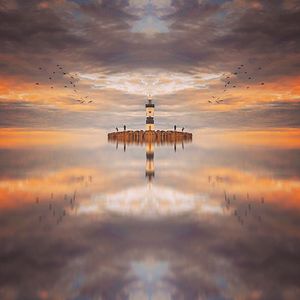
x: 204, y: 39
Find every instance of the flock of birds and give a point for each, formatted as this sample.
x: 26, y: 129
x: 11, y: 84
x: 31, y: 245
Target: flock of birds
x: 71, y: 81
x: 234, y: 80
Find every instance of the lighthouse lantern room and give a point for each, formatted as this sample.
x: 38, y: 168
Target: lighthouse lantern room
x: 149, y: 114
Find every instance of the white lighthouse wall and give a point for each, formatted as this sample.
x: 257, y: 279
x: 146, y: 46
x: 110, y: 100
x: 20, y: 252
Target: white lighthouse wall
x: 149, y: 126
x: 150, y: 112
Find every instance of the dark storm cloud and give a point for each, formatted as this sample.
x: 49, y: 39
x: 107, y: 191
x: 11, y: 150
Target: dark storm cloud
x: 266, y: 115
x: 225, y: 35
x: 96, y: 36
x: 205, y: 34
x: 31, y: 115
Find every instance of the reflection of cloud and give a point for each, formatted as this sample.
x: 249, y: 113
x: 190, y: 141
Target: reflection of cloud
x: 199, y: 254
x: 150, y: 201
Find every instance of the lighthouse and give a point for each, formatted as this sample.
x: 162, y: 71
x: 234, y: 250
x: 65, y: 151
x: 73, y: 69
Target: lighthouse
x: 149, y: 114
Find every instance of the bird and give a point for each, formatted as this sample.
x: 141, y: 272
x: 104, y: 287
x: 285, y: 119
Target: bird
x: 262, y: 83
x: 182, y: 129
x: 37, y: 83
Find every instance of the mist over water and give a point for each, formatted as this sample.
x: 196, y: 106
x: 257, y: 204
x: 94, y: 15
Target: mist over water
x: 82, y: 219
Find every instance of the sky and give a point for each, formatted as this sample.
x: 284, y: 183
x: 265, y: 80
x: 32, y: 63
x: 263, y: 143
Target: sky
x: 179, y: 51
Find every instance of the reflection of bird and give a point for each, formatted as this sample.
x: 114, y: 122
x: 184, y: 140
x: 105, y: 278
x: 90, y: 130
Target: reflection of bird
x: 245, y: 211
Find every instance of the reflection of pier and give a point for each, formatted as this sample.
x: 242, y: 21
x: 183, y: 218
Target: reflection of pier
x: 150, y: 139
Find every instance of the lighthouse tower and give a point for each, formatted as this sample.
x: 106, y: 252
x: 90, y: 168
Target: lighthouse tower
x: 149, y: 114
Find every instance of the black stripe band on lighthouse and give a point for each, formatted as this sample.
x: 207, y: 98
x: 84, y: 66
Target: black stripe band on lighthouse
x: 149, y: 114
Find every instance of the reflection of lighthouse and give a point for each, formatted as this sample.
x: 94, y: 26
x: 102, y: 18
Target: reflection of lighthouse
x: 149, y: 114
x: 149, y: 161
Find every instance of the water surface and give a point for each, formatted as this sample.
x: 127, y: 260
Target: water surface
x: 82, y: 218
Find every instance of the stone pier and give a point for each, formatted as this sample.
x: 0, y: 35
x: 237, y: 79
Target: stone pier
x: 150, y: 136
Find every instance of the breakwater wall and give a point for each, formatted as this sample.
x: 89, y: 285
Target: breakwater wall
x: 150, y: 136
